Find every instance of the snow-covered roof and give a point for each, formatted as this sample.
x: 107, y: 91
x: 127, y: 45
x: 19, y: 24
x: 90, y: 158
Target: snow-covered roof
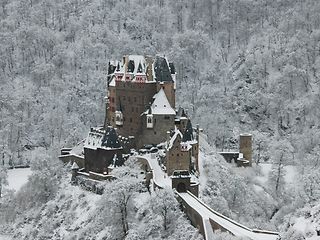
x: 138, y: 59
x: 74, y: 166
x: 106, y: 139
x: 134, y: 65
x: 161, y: 105
x: 173, y: 138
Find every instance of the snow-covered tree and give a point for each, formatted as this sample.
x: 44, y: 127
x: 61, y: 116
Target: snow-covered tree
x: 3, y: 178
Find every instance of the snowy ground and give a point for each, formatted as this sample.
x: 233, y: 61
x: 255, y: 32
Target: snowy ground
x: 5, y: 237
x: 17, y: 177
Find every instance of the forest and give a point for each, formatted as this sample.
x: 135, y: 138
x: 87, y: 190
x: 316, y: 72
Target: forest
x: 242, y: 66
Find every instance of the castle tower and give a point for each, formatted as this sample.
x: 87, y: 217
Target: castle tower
x: 165, y: 75
x: 246, y: 147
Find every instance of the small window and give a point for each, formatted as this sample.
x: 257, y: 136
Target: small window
x: 130, y: 119
x: 177, y: 154
x: 135, y: 99
x: 166, y: 117
x: 149, y: 120
x: 155, y: 133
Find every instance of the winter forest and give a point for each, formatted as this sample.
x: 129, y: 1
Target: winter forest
x: 242, y: 66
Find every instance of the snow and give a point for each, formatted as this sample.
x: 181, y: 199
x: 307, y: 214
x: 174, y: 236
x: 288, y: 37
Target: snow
x: 290, y: 173
x: 78, y: 149
x: 160, y: 178
x: 138, y: 59
x: 5, y: 237
x: 232, y: 226
x: 161, y: 105
x: 18, y: 177
x: 75, y: 166
x: 173, y: 139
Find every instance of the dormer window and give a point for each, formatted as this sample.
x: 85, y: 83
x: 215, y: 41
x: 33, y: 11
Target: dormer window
x: 149, y: 121
x: 119, y: 118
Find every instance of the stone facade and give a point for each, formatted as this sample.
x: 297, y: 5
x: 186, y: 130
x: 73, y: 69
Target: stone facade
x: 132, y: 87
x: 98, y: 160
x: 246, y: 147
x: 176, y: 159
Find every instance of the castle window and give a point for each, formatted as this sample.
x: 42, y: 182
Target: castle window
x: 149, y: 120
x: 130, y: 119
x: 135, y: 99
x: 166, y: 117
x: 155, y: 133
x: 177, y: 154
x: 132, y: 109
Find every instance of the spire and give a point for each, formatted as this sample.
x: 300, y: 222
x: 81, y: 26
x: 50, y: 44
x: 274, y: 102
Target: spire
x: 110, y: 139
x: 188, y: 133
x: 131, y: 66
x: 139, y: 68
x: 161, y: 69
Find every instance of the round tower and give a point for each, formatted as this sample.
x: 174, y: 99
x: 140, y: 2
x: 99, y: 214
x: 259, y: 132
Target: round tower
x: 246, y: 147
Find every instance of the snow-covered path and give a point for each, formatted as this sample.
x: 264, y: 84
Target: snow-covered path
x: 235, y: 228
x: 162, y: 180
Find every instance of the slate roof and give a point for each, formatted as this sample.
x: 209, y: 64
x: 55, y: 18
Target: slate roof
x: 181, y: 113
x: 188, y: 133
x: 106, y: 139
x: 110, y: 139
x: 162, y: 71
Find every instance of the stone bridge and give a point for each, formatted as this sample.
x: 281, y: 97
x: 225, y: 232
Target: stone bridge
x: 201, y: 216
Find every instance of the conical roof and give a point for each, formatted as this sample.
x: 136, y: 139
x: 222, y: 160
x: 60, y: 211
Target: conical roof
x: 110, y: 139
x: 162, y: 71
x: 188, y: 133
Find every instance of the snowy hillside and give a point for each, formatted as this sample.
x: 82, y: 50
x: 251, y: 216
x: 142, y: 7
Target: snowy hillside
x: 242, y: 66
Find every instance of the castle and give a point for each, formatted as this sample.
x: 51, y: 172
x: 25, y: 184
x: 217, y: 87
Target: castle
x: 140, y: 111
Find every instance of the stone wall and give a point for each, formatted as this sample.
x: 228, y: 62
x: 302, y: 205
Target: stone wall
x: 157, y: 134
x: 97, y: 160
x: 176, y: 159
x: 134, y: 98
